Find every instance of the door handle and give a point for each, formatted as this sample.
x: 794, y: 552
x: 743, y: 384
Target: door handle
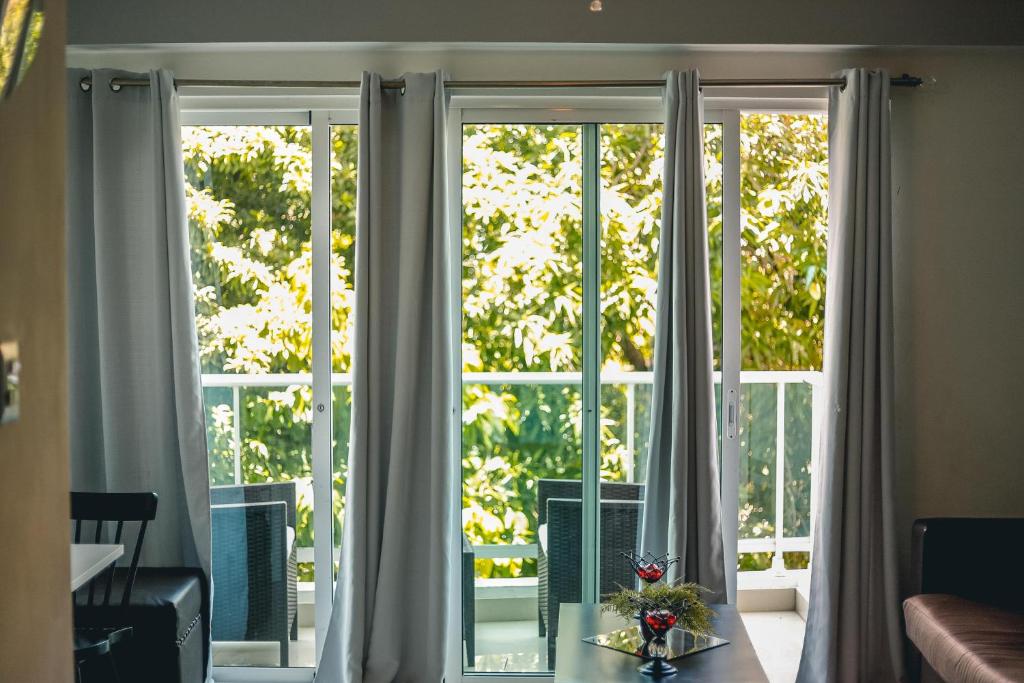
x: 730, y: 419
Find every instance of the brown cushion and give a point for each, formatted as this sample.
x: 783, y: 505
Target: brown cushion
x: 964, y: 641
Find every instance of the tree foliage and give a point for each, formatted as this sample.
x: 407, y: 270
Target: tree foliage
x: 248, y: 193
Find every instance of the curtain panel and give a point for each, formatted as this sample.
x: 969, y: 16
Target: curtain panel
x: 136, y: 405
x: 389, y: 621
x: 683, y: 509
x: 136, y: 418
x: 853, y: 625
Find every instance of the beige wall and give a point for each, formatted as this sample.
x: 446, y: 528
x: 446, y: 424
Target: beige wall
x: 959, y: 251
x: 722, y: 22
x: 959, y: 262
x: 35, y: 619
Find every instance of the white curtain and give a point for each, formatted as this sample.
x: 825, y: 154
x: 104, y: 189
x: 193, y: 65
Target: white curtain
x: 390, y: 612
x: 136, y: 405
x: 853, y: 627
x: 683, y: 509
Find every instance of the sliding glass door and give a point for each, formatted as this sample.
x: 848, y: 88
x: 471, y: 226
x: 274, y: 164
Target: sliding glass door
x: 272, y: 227
x: 559, y: 235
x: 249, y: 207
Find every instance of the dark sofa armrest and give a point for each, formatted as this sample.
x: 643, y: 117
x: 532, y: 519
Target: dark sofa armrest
x: 975, y: 558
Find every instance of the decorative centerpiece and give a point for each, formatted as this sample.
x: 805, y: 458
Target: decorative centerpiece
x: 660, y: 608
x: 648, y: 568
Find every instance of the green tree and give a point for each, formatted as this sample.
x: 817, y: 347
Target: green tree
x: 249, y: 206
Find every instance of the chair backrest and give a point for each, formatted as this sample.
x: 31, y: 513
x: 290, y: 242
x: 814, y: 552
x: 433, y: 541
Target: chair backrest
x: 619, y: 525
x: 573, y: 489
x: 250, y: 570
x: 269, y: 492
x: 103, y: 510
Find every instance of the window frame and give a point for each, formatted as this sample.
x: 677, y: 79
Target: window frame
x: 320, y: 110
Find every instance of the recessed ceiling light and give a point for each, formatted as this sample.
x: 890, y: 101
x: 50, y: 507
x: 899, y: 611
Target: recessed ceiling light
x: 596, y: 5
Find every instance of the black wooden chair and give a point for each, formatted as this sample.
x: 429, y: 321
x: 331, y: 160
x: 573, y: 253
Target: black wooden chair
x: 94, y: 645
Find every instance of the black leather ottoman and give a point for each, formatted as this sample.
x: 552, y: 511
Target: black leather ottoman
x: 170, y: 618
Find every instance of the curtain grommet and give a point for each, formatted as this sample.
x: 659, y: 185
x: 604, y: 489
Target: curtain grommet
x: 115, y: 86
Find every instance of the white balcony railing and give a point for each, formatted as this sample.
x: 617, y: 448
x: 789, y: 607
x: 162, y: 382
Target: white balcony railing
x: 777, y: 544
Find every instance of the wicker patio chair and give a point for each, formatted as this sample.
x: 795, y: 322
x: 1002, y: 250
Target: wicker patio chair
x: 559, y: 560
x: 255, y: 595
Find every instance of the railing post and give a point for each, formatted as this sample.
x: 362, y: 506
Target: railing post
x: 630, y: 430
x: 236, y: 424
x: 817, y: 396
x: 778, y: 562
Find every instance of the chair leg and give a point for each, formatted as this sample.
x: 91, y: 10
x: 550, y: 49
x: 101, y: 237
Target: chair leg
x: 284, y: 652
x: 552, y: 628
x: 112, y: 665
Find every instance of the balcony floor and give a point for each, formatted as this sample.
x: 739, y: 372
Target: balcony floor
x: 300, y: 652
x: 778, y: 639
x: 510, y: 646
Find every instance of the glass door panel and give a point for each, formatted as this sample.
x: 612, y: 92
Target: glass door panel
x: 522, y: 278
x: 248, y: 198
x: 632, y: 164
x: 344, y: 165
x: 783, y: 201
x: 714, y: 196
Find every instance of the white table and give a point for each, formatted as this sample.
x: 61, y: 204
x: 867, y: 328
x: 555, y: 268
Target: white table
x: 89, y: 559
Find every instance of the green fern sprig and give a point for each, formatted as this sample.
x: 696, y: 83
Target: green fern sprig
x: 684, y: 600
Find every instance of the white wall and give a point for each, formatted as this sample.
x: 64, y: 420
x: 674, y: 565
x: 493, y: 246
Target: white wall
x: 721, y: 22
x: 958, y: 148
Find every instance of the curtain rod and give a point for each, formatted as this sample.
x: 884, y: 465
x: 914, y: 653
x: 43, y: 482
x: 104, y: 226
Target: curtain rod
x: 116, y: 84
